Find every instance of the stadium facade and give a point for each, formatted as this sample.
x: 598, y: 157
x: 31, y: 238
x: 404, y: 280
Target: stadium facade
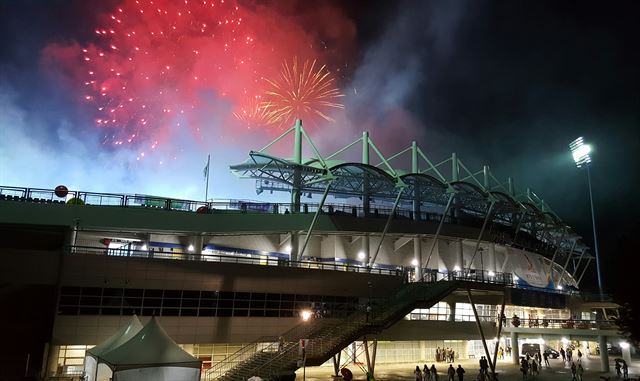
x: 390, y: 265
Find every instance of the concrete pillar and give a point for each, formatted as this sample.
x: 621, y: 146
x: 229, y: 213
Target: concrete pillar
x: 366, y: 248
x: 492, y: 257
x: 626, y: 353
x: 417, y: 254
x: 452, y: 313
x: 197, y: 242
x: 295, y: 243
x: 604, y: 355
x: 515, y: 352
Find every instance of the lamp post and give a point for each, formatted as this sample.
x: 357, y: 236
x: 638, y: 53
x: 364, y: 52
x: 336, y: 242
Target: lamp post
x: 581, y: 156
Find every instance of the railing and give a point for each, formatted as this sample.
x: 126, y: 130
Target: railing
x: 429, y: 275
x: 326, y: 336
x: 38, y: 195
x: 563, y: 323
x: 237, y: 259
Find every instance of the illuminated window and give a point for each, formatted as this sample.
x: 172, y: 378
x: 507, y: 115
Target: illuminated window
x: 440, y: 311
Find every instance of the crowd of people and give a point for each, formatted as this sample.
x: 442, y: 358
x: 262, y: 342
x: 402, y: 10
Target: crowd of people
x: 431, y: 374
x: 445, y: 354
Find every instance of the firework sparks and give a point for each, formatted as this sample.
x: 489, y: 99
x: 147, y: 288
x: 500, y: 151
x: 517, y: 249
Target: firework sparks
x: 306, y: 91
x: 153, y: 60
x: 254, y: 113
x: 161, y: 66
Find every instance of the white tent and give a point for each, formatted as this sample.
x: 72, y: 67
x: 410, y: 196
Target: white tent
x: 92, y: 358
x: 151, y: 355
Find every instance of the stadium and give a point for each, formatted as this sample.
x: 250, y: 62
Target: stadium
x: 367, y: 264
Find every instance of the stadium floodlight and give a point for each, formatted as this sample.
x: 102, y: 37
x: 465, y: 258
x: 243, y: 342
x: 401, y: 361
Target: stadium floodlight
x: 581, y: 153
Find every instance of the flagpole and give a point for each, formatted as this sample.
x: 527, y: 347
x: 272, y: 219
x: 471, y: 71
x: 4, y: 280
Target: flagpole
x: 206, y: 191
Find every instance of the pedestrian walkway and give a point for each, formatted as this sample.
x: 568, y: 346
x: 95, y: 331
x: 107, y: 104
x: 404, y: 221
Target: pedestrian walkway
x: 507, y: 371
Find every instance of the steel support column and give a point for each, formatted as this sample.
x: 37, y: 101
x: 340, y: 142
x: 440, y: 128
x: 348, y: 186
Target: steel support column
x: 315, y: 218
x: 296, y: 188
x: 336, y: 364
x: 386, y: 229
x: 484, y: 340
x: 371, y: 357
x: 495, y: 350
x: 584, y: 270
x: 555, y: 253
x: 366, y: 201
x: 484, y: 225
x: 435, y: 238
x: 577, y: 266
x: 416, y: 187
x: 566, y: 263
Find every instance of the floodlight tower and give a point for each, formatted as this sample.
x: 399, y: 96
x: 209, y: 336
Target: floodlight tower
x: 581, y: 153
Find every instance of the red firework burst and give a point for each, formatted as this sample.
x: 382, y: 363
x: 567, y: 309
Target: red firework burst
x: 155, y: 59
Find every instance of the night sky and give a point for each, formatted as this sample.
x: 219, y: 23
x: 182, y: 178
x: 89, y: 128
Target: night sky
x: 503, y: 83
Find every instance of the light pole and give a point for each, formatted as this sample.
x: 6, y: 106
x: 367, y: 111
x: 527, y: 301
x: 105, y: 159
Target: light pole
x: 581, y: 153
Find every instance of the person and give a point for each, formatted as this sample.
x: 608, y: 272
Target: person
x: 563, y: 354
x: 481, y: 364
x: 524, y: 368
x: 453, y: 355
x: 286, y: 211
x: 618, y: 366
x: 625, y: 370
x: 546, y: 359
x: 280, y: 343
x: 434, y: 373
x: 438, y: 354
x: 579, y: 356
x: 534, y: 367
x: 501, y: 353
x: 569, y: 355
x: 426, y: 376
x: 451, y: 372
x: 460, y: 371
x: 573, y: 372
x: 368, y: 311
x: 580, y: 372
x: 418, y: 373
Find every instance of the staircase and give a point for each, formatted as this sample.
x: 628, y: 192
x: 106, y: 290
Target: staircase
x: 326, y: 336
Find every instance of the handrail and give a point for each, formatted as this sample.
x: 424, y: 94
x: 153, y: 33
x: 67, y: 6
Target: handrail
x: 430, y: 275
x: 541, y: 245
x: 591, y: 324
x: 326, y: 335
x: 250, y: 260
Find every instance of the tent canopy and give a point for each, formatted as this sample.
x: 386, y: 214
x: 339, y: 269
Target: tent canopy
x: 123, y: 335
x: 150, y: 347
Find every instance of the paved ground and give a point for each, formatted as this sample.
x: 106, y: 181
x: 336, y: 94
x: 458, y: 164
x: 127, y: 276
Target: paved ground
x: 507, y: 371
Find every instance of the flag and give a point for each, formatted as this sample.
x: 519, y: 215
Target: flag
x: 206, y: 169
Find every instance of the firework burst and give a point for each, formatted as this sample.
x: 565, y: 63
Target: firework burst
x: 301, y: 91
x: 254, y: 113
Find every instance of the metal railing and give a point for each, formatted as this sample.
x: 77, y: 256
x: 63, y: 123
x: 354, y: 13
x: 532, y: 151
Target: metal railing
x: 562, y: 323
x: 429, y: 275
x: 39, y: 195
x: 237, y: 259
